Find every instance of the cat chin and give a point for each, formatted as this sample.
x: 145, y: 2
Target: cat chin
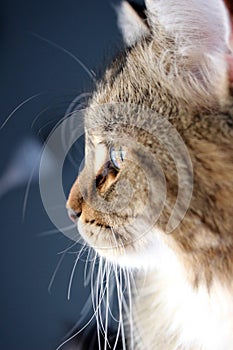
x: 144, y: 260
x: 146, y: 253
x: 151, y: 254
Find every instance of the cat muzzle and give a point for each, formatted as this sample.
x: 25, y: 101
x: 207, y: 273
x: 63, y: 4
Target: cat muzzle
x: 73, y: 215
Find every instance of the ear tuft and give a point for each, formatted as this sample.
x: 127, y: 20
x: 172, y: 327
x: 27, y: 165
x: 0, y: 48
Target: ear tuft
x: 201, y: 32
x: 132, y: 22
x: 200, y: 23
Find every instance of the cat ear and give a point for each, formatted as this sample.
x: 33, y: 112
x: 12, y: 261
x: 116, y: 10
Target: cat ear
x: 132, y: 22
x: 200, y: 22
x: 201, y: 30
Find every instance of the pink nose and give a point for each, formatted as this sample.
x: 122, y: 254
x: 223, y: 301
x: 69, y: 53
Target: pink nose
x: 73, y: 215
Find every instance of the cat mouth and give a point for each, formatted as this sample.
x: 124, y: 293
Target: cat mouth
x: 98, y: 235
x: 110, y: 244
x: 116, y: 239
x: 106, y: 241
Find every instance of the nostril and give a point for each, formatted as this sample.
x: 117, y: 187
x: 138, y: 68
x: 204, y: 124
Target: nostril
x: 73, y: 215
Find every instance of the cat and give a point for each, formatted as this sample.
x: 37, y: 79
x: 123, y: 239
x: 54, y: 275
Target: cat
x: 159, y: 132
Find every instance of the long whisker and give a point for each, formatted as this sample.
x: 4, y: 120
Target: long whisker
x: 71, y: 279
x: 100, y: 295
x: 110, y: 310
x: 103, y: 293
x: 85, y: 326
x: 119, y: 308
x: 86, y: 264
x: 77, y: 333
x: 64, y: 103
x: 121, y: 314
x: 51, y: 232
x: 114, y: 237
x: 19, y: 106
x: 27, y: 190
x: 86, y: 306
x: 89, y: 73
x: 91, y: 260
x: 55, y: 272
x: 40, y: 131
x: 73, y: 245
x: 107, y: 309
x: 130, y: 307
x: 98, y: 302
x: 73, y: 104
x: 72, y: 274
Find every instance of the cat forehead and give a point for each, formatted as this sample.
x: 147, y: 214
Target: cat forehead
x: 113, y: 117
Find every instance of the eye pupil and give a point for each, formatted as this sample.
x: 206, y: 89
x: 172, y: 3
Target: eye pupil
x: 117, y: 157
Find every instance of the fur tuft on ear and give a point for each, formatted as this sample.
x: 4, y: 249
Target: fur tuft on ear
x: 131, y: 22
x: 201, y: 31
x: 203, y: 24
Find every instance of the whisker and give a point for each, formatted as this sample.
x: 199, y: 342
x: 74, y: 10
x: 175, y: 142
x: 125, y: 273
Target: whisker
x: 92, y: 260
x: 40, y: 131
x: 114, y: 236
x: 98, y: 302
x: 39, y: 115
x: 73, y: 271
x: 89, y: 73
x: 59, y: 122
x: 51, y: 232
x: 85, y: 268
x: 73, y: 245
x: 104, y: 293
x: 18, y: 107
x: 119, y: 308
x: 73, y: 104
x: 28, y: 189
x: 55, y: 272
x: 130, y: 307
x: 88, y: 303
x: 122, y: 321
x: 107, y: 309
x: 75, y: 334
x: 71, y: 277
x: 101, y: 293
x: 62, y: 104
x: 85, y: 326
x: 110, y: 310
x: 93, y: 284
x: 87, y: 278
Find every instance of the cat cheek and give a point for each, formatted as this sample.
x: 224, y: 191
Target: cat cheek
x: 81, y: 229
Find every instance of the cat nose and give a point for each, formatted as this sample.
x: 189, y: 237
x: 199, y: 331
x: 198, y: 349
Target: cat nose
x: 73, y: 215
x: 74, y: 202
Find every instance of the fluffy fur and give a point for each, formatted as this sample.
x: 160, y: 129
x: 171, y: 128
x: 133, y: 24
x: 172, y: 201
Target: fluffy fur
x: 178, y: 69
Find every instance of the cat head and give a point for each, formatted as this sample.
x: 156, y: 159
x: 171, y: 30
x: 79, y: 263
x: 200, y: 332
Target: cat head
x: 175, y: 66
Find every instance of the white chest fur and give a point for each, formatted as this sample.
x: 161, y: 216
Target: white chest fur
x: 170, y: 315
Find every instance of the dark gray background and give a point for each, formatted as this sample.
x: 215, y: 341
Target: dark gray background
x: 31, y: 318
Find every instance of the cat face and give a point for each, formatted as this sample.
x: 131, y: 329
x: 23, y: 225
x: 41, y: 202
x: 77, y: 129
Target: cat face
x: 118, y: 197
x: 141, y: 131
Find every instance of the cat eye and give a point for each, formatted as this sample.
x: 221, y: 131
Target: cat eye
x: 117, y: 156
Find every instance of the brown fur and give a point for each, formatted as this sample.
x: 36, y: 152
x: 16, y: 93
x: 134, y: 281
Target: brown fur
x: 153, y: 75
x: 208, y: 136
